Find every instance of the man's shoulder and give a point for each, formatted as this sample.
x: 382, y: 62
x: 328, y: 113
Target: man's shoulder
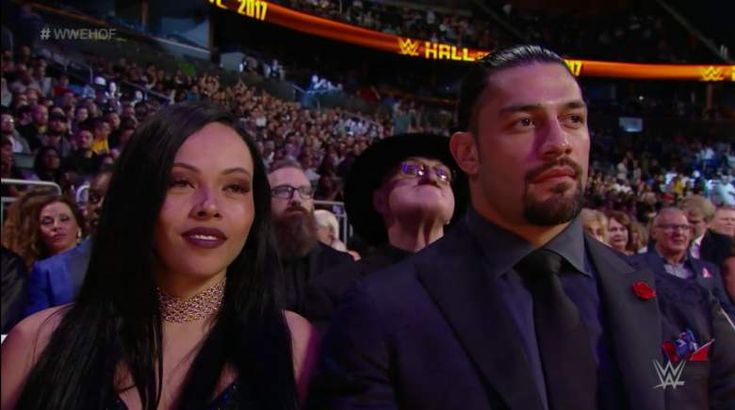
x: 327, y: 251
x: 718, y: 239
x: 404, y: 275
x: 642, y: 260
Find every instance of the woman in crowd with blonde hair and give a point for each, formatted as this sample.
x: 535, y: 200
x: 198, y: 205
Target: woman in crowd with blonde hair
x: 595, y: 224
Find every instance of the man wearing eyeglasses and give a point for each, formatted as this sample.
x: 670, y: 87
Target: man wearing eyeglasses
x: 303, y: 256
x: 399, y: 197
x: 673, y: 233
x: 56, y: 280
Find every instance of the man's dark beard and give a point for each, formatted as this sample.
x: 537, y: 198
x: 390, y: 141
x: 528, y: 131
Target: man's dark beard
x: 296, y: 232
x: 559, y: 208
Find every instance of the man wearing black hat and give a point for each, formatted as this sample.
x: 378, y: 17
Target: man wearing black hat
x: 399, y: 195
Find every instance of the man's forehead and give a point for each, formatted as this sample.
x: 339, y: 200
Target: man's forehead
x: 538, y: 84
x: 672, y: 216
x: 426, y: 160
x: 289, y: 175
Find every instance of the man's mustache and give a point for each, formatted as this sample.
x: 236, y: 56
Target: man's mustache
x: 561, y: 162
x: 296, y: 208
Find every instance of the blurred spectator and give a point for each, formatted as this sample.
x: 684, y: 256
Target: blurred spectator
x: 707, y: 244
x: 8, y: 170
x: 41, y: 224
x: 14, y: 289
x: 101, y: 130
x: 672, y: 233
x: 82, y: 161
x: 638, y: 237
x: 595, y: 224
x: 724, y: 221
x: 47, y: 167
x: 20, y: 145
x: 127, y: 128
x: 57, y: 135
x: 328, y: 229
x: 56, y: 280
x: 35, y: 127
x: 304, y: 258
x: 619, y: 233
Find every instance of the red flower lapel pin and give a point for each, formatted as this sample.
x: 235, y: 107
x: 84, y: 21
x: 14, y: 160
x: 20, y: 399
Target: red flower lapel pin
x: 643, y: 290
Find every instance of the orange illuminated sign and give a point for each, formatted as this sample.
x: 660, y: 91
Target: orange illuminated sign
x: 437, y: 51
x: 334, y: 30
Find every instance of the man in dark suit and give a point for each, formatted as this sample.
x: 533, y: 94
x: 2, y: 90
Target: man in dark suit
x: 57, y: 280
x: 706, y: 244
x: 304, y: 258
x: 400, y: 194
x: 670, y: 256
x: 515, y: 308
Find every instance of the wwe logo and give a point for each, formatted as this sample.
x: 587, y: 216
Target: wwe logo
x: 669, y: 375
x: 408, y: 47
x: 712, y: 73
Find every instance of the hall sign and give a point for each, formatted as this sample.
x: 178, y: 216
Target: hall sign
x: 334, y: 30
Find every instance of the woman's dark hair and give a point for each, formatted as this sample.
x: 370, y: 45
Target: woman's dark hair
x: 115, y: 320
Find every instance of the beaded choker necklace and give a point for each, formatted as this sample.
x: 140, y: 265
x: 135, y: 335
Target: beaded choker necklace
x: 199, y: 306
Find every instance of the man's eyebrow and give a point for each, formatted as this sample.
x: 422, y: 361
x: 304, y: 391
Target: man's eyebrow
x: 535, y: 107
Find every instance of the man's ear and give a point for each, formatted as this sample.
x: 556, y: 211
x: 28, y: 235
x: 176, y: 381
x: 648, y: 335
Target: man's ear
x: 380, y: 200
x: 463, y: 147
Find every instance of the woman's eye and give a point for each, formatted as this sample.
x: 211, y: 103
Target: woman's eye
x: 180, y: 183
x: 238, y: 188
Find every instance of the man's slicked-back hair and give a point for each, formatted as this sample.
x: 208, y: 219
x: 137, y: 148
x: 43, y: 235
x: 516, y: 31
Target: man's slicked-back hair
x: 475, y: 82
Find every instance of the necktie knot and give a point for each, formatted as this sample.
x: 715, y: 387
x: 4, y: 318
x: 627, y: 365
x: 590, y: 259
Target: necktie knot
x: 539, y: 265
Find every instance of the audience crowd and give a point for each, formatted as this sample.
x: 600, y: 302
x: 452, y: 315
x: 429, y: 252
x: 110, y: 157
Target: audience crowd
x: 61, y: 131
x: 632, y: 35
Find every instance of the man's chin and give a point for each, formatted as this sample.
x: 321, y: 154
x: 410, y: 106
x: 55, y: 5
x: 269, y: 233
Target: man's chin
x: 552, y: 209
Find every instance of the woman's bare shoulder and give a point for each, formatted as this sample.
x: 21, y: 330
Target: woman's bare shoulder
x: 305, y: 346
x: 22, y: 348
x: 33, y: 333
x: 298, y: 325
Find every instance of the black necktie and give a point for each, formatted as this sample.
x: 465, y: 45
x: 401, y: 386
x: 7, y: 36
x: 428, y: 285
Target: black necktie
x: 570, y: 371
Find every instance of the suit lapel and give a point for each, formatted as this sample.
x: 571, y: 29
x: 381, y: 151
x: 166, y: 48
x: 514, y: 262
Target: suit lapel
x: 634, y: 325
x: 473, y: 306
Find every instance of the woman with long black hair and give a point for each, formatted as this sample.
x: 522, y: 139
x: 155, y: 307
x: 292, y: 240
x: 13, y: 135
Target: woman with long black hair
x: 177, y: 309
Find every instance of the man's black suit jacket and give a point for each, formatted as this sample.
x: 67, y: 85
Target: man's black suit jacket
x: 715, y: 247
x: 433, y: 332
